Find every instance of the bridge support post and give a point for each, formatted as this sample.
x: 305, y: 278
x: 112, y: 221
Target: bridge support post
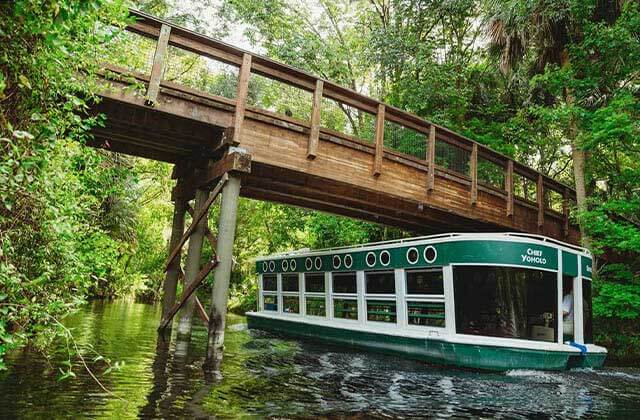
x: 222, y: 273
x: 192, y: 265
x: 173, y: 272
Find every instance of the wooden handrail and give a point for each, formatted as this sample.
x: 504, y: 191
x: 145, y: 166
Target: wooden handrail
x: 150, y: 26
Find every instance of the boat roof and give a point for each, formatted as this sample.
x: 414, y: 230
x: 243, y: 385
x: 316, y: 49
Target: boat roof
x: 438, y: 238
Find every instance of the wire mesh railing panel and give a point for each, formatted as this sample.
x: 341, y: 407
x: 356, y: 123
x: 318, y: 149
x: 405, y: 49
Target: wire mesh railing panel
x: 200, y: 73
x: 524, y: 187
x: 490, y: 173
x: 130, y: 51
x: 452, y: 157
x: 279, y: 97
x: 404, y: 140
x: 348, y: 120
x: 553, y: 200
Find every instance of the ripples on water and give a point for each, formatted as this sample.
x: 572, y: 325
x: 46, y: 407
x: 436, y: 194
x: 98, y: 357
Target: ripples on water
x: 266, y: 375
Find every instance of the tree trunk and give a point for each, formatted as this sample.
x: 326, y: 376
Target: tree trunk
x: 579, y: 158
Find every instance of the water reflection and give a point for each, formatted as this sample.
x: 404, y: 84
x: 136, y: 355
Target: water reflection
x: 267, y: 375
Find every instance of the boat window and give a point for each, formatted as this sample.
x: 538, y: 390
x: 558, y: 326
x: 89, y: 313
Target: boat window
x: 381, y: 310
x: 429, y: 314
x: 270, y: 303
x: 314, y: 282
x: 291, y: 304
x: 344, y: 283
x: 506, y: 302
x: 380, y: 282
x: 345, y: 308
x: 270, y: 282
x: 316, y: 306
x: 425, y: 282
x: 587, y: 311
x: 290, y: 283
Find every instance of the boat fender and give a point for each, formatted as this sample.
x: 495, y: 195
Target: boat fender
x: 581, y: 347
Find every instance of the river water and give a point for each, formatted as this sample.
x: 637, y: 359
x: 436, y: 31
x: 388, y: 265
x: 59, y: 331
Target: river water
x: 271, y: 376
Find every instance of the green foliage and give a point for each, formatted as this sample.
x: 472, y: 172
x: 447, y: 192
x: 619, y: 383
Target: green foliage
x: 78, y: 223
x: 51, y: 188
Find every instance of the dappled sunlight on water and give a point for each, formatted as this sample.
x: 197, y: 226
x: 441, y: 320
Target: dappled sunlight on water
x: 267, y: 375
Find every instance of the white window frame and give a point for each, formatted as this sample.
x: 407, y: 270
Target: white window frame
x: 260, y: 296
x: 451, y: 326
x: 425, y: 298
x: 304, y: 294
x: 344, y: 296
x: 559, y: 289
x: 578, y: 309
x: 262, y: 293
x: 449, y: 301
x: 282, y: 294
x: 380, y: 297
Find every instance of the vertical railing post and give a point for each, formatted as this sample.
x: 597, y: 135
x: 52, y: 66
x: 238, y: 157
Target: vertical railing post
x: 241, y: 98
x: 509, y: 188
x: 565, y: 212
x: 158, y: 65
x: 377, y: 161
x: 540, y: 199
x: 474, y: 174
x: 314, y: 133
x: 431, y: 158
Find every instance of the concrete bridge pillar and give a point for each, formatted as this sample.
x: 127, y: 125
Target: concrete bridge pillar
x: 222, y: 273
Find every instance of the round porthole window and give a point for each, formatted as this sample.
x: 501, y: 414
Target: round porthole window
x: 348, y: 261
x: 385, y: 258
x: 285, y: 265
x: 308, y: 264
x: 292, y: 265
x: 336, y: 261
x: 430, y: 254
x: 412, y: 255
x: 371, y: 259
x: 265, y: 266
x: 272, y: 266
x: 318, y: 263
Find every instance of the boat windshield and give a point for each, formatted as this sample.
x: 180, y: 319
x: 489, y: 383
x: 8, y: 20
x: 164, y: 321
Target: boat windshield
x: 505, y: 302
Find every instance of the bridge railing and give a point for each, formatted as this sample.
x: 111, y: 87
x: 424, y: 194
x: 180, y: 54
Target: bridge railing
x: 381, y: 128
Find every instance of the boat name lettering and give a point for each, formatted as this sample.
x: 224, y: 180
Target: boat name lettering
x: 533, y: 256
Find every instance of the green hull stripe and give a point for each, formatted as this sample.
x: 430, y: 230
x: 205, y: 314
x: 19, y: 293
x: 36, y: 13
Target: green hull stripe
x: 433, y: 351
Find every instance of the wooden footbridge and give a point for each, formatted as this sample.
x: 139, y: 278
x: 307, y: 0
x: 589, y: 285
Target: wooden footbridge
x: 444, y: 182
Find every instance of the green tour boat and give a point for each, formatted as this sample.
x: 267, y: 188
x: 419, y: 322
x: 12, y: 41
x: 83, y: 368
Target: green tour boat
x: 494, y: 301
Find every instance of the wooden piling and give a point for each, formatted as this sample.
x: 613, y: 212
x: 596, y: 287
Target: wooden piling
x: 173, y: 271
x: 192, y: 265
x: 222, y: 273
